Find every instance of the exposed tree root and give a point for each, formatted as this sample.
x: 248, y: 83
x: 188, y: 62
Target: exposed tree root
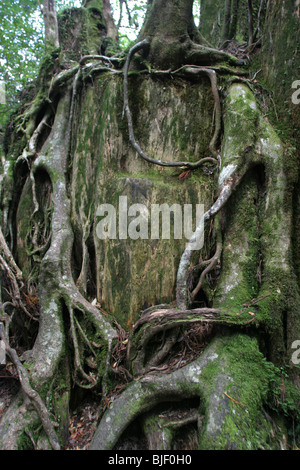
x: 211, y: 263
x: 160, y: 428
x: 139, y: 402
x: 191, y: 70
x: 213, y: 146
x: 233, y: 170
x: 7, y: 255
x: 156, y: 332
x: 15, y: 285
x: 226, y: 189
x: 145, y: 394
x: 102, y: 58
x: 167, y: 323
x: 150, y: 390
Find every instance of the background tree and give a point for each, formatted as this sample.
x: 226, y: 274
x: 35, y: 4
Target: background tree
x: 51, y: 25
x: 207, y: 363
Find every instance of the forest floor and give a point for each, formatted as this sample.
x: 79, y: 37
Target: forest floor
x: 82, y: 426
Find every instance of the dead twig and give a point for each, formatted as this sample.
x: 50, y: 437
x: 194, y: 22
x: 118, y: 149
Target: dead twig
x: 235, y: 402
x: 210, y: 266
x: 255, y: 300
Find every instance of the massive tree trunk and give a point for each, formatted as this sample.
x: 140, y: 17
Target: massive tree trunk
x: 203, y: 357
x: 173, y: 39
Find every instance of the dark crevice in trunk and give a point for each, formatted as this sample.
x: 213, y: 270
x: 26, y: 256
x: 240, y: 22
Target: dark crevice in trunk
x: 20, y: 176
x: 47, y: 129
x: 92, y: 271
x: 76, y: 259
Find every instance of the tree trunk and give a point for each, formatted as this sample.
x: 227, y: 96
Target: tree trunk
x: 51, y: 27
x: 250, y: 22
x: 170, y: 29
x: 234, y: 20
x: 112, y: 31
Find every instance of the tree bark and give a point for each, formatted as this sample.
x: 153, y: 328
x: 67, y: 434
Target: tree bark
x: 234, y: 20
x: 112, y: 31
x: 227, y: 20
x: 214, y: 349
x: 51, y: 26
x: 250, y: 23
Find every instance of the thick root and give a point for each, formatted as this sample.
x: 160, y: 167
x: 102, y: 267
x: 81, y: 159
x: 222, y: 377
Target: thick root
x: 219, y: 387
x: 56, y: 290
x: 166, y: 322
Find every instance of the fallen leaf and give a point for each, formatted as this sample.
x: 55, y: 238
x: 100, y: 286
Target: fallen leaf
x: 185, y: 174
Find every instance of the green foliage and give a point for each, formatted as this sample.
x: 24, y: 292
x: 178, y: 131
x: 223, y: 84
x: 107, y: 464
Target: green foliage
x: 21, y: 47
x: 22, y: 43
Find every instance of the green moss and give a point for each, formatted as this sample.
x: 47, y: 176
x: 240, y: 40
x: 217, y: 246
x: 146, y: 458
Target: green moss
x: 240, y: 123
x: 279, y: 69
x: 145, y: 270
x: 89, y: 147
x: 73, y: 44
x: 241, y: 259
